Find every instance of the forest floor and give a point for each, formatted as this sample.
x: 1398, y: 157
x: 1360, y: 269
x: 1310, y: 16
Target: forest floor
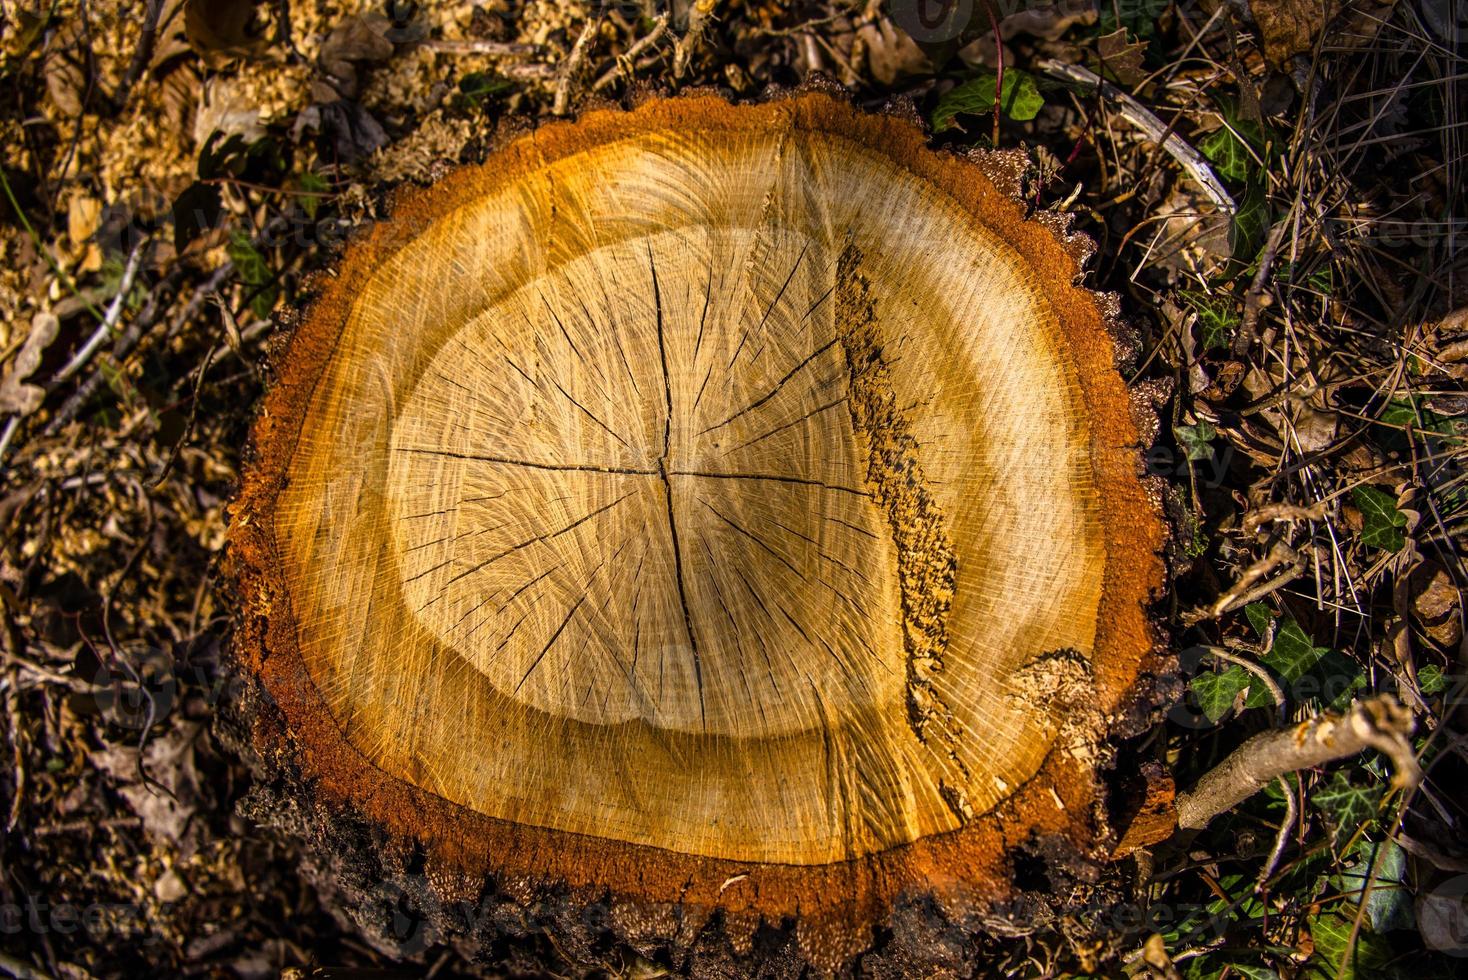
x: 1295, y: 257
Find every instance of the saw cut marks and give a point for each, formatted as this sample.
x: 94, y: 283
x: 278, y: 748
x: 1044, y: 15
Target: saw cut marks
x: 652, y: 509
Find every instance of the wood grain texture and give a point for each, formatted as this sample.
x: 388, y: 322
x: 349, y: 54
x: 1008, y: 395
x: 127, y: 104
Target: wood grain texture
x: 733, y: 507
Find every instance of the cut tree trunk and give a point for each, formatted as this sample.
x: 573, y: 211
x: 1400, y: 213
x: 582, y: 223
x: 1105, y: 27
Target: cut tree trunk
x: 726, y: 519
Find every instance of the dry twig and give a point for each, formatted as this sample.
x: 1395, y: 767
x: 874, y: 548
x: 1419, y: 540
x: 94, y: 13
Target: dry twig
x: 1380, y: 723
x: 1139, y: 116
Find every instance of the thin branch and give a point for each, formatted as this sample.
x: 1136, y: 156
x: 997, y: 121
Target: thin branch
x: 1281, y: 839
x: 504, y: 49
x: 1380, y: 723
x: 109, y: 320
x: 627, y: 63
x: 699, y: 15
x: 572, y: 65
x: 1139, y: 116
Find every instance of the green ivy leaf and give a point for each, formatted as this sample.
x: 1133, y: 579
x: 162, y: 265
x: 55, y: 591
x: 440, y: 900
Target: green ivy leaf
x: 1389, y: 903
x: 1430, y: 680
x: 314, y: 189
x: 1218, y: 317
x: 1021, y: 99
x: 254, y: 272
x: 1250, y: 223
x: 1253, y: 972
x: 1346, y: 807
x: 1382, y: 522
x: 1337, y: 679
x: 1195, y: 439
x: 1259, y: 617
x: 1228, y: 154
x: 1290, y: 657
x: 1336, y: 956
x: 1215, y: 693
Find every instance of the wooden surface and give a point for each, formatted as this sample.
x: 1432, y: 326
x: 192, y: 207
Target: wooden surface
x: 743, y: 486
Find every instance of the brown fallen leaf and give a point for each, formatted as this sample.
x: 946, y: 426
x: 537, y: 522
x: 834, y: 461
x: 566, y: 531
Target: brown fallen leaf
x: 361, y: 38
x: 66, y: 82
x: 15, y: 394
x: 168, y: 801
x: 891, y: 53
x: 1435, y: 600
x: 1289, y: 27
x: 221, y: 30
x: 1120, y: 58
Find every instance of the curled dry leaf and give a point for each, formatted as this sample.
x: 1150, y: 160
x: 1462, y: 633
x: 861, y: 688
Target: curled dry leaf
x: 890, y: 52
x: 224, y: 108
x: 1435, y: 601
x: 356, y: 39
x: 221, y: 30
x: 1046, y: 22
x: 1291, y: 27
x: 66, y: 81
x: 1288, y: 27
x: 15, y: 394
x: 1121, y: 58
x: 170, y: 796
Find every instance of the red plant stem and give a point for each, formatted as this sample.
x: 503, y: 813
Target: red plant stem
x: 998, y: 72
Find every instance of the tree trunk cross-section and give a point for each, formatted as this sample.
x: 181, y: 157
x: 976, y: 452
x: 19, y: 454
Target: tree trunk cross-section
x: 727, y: 508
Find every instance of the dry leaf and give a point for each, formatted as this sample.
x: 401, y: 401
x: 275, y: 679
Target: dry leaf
x: 219, y: 30
x: 15, y: 395
x: 170, y: 764
x: 225, y: 109
x: 1289, y: 27
x: 66, y: 83
x: 83, y: 216
x: 890, y: 52
x: 179, y: 95
x: 355, y: 39
x: 1120, y: 57
x: 1047, y: 22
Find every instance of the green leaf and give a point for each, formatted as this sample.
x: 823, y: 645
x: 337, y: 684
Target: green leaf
x: 1194, y: 440
x: 1389, y: 903
x: 1228, y: 154
x: 975, y: 97
x: 1334, y: 682
x: 1346, y: 807
x: 1022, y: 99
x: 1218, y: 317
x: 254, y: 272
x: 1259, y: 617
x: 1250, y: 223
x: 1337, y: 956
x: 1139, y: 16
x: 1202, y: 968
x: 1290, y: 657
x: 1216, y: 693
x: 1430, y: 680
x: 1405, y: 412
x: 1382, y: 522
x: 314, y: 189
x: 479, y: 87
x: 1253, y: 972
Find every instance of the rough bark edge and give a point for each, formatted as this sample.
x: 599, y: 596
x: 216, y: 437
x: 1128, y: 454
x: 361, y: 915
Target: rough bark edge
x: 966, y: 877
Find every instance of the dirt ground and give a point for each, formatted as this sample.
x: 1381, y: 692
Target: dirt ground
x: 1276, y: 190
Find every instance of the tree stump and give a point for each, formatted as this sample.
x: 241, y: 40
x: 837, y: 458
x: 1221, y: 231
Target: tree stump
x: 720, y: 516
